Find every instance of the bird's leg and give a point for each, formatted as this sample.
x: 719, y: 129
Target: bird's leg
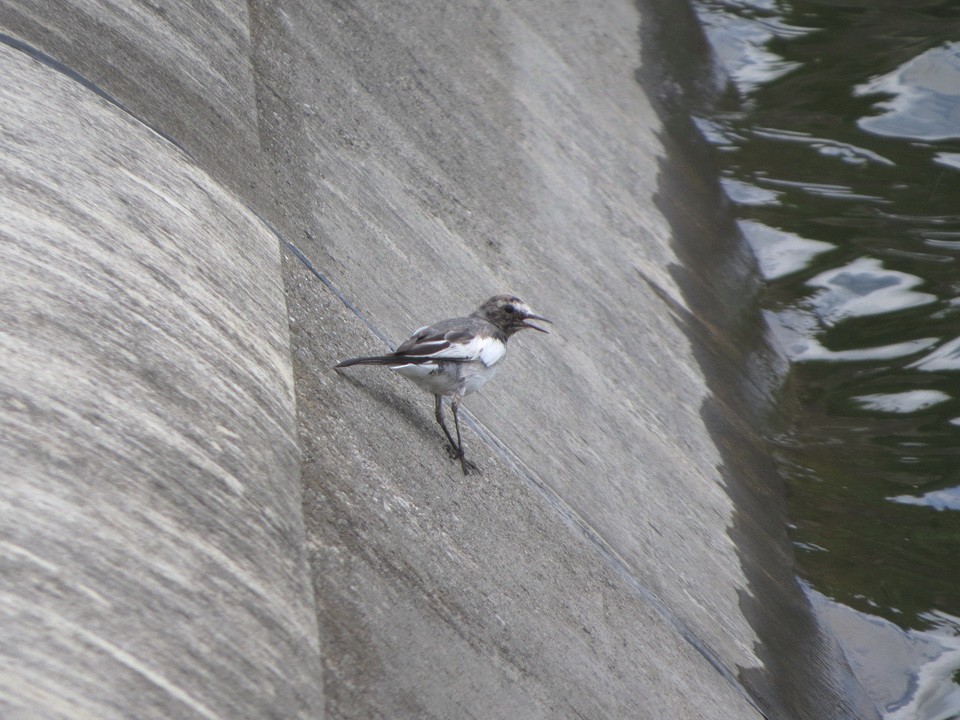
x: 454, y: 450
x: 464, y: 463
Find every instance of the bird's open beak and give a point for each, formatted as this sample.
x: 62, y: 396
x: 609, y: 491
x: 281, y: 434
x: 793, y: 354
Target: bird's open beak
x: 534, y: 327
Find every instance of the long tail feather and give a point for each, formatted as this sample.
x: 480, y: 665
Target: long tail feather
x: 386, y: 360
x: 369, y: 360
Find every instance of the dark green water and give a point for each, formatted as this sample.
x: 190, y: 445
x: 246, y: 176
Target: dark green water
x: 841, y: 151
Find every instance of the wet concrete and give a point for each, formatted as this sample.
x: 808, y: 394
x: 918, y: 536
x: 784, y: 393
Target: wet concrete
x: 744, y: 372
x: 422, y: 158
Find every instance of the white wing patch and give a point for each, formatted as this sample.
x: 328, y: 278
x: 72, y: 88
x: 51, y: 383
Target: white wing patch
x: 487, y: 350
x: 492, y: 351
x: 481, y: 355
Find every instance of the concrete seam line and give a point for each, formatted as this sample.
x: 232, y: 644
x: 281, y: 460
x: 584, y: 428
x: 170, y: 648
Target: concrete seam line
x: 569, y: 516
x: 330, y: 286
x: 51, y: 62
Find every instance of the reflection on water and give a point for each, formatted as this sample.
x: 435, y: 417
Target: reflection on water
x: 841, y: 152
x: 861, y: 288
x: 780, y: 253
x: 923, y: 97
x: 948, y: 499
x: 928, y: 693
x: 946, y: 357
x: 902, y: 403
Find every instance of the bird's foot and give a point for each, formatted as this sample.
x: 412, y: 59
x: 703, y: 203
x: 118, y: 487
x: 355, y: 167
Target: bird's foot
x: 468, y: 467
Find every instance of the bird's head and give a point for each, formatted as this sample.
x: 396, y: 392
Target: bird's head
x: 510, y: 314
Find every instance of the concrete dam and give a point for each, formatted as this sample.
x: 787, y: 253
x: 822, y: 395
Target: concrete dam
x: 206, y: 204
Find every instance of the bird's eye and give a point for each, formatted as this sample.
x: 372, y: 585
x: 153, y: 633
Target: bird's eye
x: 509, y: 308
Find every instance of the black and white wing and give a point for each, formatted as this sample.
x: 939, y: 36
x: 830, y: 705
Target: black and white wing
x: 458, y: 340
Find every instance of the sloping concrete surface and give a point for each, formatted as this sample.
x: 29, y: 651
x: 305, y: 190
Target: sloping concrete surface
x: 423, y: 156
x: 152, y: 561
x: 181, y: 67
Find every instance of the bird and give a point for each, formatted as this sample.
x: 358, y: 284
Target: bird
x: 454, y: 358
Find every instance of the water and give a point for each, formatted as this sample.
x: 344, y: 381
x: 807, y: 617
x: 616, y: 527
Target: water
x: 841, y: 150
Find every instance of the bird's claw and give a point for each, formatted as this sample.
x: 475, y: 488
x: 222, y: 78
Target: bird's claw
x: 468, y: 467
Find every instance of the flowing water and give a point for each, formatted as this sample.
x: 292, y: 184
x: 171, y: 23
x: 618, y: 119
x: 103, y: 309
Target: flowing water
x: 840, y: 148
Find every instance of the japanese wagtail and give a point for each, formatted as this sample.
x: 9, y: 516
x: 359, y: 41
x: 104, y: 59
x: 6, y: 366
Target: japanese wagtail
x: 453, y: 358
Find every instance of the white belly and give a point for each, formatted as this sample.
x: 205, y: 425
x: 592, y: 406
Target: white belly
x: 474, y: 375
x: 448, y: 378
